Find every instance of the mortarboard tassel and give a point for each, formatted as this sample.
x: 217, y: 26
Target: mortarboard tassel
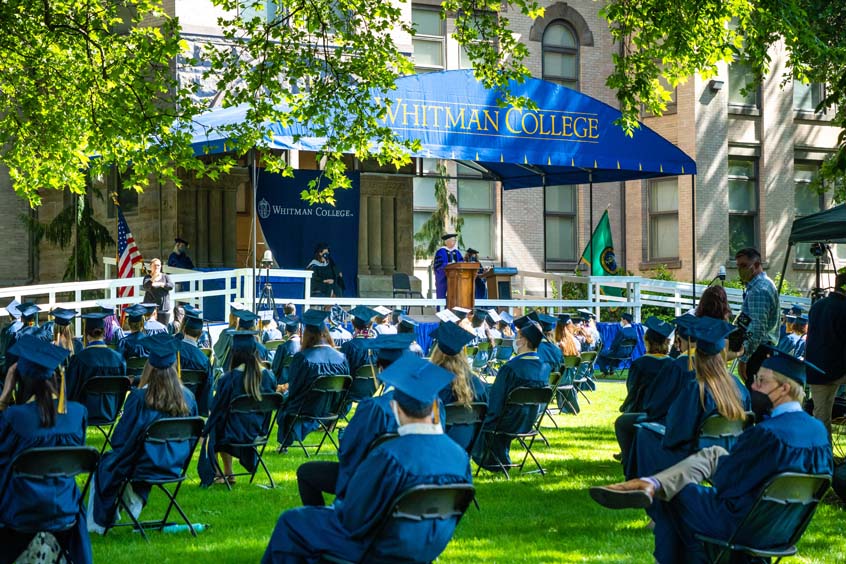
x: 178, y: 365
x: 63, y: 407
x: 689, y: 356
x: 436, y: 412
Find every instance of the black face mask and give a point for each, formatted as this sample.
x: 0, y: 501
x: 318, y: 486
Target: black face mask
x: 325, y: 256
x: 762, y: 405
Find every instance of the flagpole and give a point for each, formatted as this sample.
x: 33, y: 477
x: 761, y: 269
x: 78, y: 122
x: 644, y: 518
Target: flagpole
x: 590, y: 242
x: 117, y: 243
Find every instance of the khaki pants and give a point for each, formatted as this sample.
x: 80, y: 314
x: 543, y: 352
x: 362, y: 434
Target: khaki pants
x: 823, y: 395
x: 691, y: 470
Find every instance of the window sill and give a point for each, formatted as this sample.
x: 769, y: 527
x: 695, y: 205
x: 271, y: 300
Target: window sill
x: 670, y: 264
x: 810, y: 266
x: 731, y: 263
x: 744, y: 110
x: 809, y: 115
x: 563, y: 266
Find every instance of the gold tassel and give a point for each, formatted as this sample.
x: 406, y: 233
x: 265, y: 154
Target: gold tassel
x: 63, y: 407
x: 178, y: 365
x: 436, y: 412
x: 689, y: 356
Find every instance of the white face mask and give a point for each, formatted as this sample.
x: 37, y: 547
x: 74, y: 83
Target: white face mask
x: 396, y: 412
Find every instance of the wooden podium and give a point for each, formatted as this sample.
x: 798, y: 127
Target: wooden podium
x: 461, y: 277
x: 498, y: 280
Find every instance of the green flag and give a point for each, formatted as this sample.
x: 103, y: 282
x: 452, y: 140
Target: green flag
x: 599, y: 254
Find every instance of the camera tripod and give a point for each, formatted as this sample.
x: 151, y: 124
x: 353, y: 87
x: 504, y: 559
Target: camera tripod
x: 266, y: 300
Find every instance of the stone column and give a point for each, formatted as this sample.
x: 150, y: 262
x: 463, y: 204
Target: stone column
x: 229, y: 227
x: 363, y: 267
x: 215, y: 196
x: 387, y: 220
x: 374, y: 234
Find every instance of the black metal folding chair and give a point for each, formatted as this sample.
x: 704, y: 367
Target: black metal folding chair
x: 623, y: 353
x: 381, y: 439
x: 583, y: 379
x: 401, y: 283
x: 166, y: 430
x: 267, y: 408
x: 717, y: 430
x: 419, y: 504
x: 363, y: 386
x: 105, y: 387
x: 776, y: 521
x: 460, y: 415
x: 192, y: 379
x: 518, y: 398
x: 135, y: 367
x: 322, y: 404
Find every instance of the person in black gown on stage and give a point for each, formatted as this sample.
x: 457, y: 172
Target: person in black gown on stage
x: 327, y: 281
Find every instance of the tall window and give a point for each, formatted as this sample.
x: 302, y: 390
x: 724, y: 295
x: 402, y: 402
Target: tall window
x: 806, y: 202
x: 663, y: 205
x: 429, y: 39
x: 743, y: 204
x: 560, y: 220
x: 424, y: 193
x: 561, y: 54
x: 806, y: 97
x: 266, y: 10
x: 741, y: 77
x: 476, y: 207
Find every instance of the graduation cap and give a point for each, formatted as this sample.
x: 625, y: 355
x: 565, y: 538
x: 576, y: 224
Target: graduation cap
x: 628, y: 317
x: 711, y: 334
x: 447, y: 316
x: 564, y: 318
x: 28, y: 309
x: 193, y: 322
x: 63, y: 316
x: 136, y: 313
x: 522, y: 320
x: 407, y: 323
x: 790, y: 318
x: 472, y: 251
x: 532, y: 331
x: 95, y: 320
x: 292, y: 323
x: 586, y: 314
x: 801, y: 320
x: 658, y: 328
x: 315, y: 318
x: 382, y: 311
x: 460, y: 312
x: 391, y: 346
x: 547, y: 322
x: 416, y: 381
x: 452, y: 338
x: 246, y: 318
x: 363, y: 313
x: 266, y: 316
x: 790, y: 366
x: 37, y: 359
x: 236, y: 306
x: 181, y: 240
x: 506, y: 317
x: 446, y: 236
x: 785, y: 310
x: 149, y: 306
x: 480, y: 313
x: 796, y: 309
x: 493, y: 316
x: 684, y: 326
x: 191, y: 310
x: 12, y: 309
x: 162, y: 350
x: 244, y: 340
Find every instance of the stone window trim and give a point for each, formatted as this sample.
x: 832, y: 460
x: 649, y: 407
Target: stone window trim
x: 559, y: 263
x: 755, y: 212
x: 669, y: 264
x: 424, y: 38
x: 561, y: 11
x: 647, y: 254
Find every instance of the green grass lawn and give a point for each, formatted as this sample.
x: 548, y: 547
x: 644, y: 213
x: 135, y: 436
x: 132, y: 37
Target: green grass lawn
x: 530, y: 519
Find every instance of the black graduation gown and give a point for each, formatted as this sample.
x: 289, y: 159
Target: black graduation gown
x: 192, y: 358
x: 95, y: 360
x: 284, y: 351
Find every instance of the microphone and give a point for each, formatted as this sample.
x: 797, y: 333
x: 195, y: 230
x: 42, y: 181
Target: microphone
x: 721, y: 273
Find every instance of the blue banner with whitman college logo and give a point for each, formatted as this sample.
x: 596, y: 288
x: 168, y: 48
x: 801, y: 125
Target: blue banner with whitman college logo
x: 292, y: 227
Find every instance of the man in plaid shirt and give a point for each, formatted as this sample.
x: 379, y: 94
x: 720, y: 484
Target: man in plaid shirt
x: 760, y: 303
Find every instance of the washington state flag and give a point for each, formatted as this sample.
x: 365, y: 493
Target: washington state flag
x: 599, y: 254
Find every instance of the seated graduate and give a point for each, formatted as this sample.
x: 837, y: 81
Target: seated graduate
x: 800, y: 328
x: 712, y: 391
x: 63, y: 332
x: 130, y: 345
x: 525, y: 370
x: 621, y: 345
x: 421, y: 454
x: 382, y: 322
x: 28, y: 326
x: 269, y: 329
x: 337, y: 319
x: 356, y: 350
x: 504, y: 325
x: 466, y: 387
x: 373, y: 418
x: 152, y: 325
x: 786, y: 440
x: 245, y: 376
x: 204, y: 340
x: 407, y: 326
x: 160, y: 394
x: 287, y: 350
x: 43, y: 419
x: 548, y: 352
x: 643, y: 373
x: 221, y: 346
x: 246, y: 322
x: 192, y: 358
x: 96, y: 359
x: 565, y: 336
x: 317, y: 357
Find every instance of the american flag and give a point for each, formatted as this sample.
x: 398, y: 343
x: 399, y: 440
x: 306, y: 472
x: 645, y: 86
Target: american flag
x: 128, y: 254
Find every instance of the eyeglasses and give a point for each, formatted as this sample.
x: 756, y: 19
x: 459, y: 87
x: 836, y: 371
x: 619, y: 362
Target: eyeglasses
x: 760, y: 380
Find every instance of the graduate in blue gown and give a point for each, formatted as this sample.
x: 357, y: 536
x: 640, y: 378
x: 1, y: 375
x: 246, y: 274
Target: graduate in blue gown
x: 63, y: 332
x: 422, y: 454
x: 626, y: 334
x: 28, y: 506
x: 318, y: 357
x: 466, y: 387
x: 28, y: 326
x: 286, y: 351
x: 7, y: 334
x: 245, y: 376
x: 447, y: 254
x: 712, y: 391
x: 525, y: 370
x: 192, y: 358
x: 269, y: 329
x: 246, y: 322
x: 786, y: 440
x: 160, y: 394
x: 356, y: 350
x: 130, y: 346
x: 548, y: 351
x: 96, y: 359
x: 408, y: 326
x: 152, y: 325
x: 659, y: 393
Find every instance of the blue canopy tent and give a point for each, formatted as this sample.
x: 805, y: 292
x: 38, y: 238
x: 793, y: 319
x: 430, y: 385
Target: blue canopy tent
x: 570, y: 138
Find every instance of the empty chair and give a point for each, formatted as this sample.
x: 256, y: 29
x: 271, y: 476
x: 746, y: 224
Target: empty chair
x: 321, y: 406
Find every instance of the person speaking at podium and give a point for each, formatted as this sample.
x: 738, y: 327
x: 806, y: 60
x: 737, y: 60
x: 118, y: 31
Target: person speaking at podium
x: 447, y: 254
x: 479, y: 289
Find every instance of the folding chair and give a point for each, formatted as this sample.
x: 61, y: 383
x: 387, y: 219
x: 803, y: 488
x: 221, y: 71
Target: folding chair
x: 56, y: 467
x: 192, y: 379
x: 101, y: 388
x: 531, y: 398
x: 460, y: 416
x: 363, y: 386
x: 401, y: 283
x: 167, y: 431
x: 838, y: 427
x: 584, y: 372
x: 622, y: 354
x: 322, y: 403
x: 483, y: 354
x: 267, y: 408
x: 135, y: 367
x: 272, y: 345
x: 554, y: 381
x: 419, y: 504
x: 381, y: 439
x: 776, y: 521
x: 716, y: 430
x: 502, y: 352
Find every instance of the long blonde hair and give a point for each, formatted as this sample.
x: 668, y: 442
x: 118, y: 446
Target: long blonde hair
x: 565, y: 338
x: 164, y: 390
x: 460, y: 367
x: 711, y: 372
x: 63, y: 337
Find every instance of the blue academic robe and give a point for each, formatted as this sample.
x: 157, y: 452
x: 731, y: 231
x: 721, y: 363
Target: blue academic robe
x: 652, y: 452
x: 95, y: 360
x: 660, y: 392
x: 616, y: 348
x: 464, y: 434
x: 522, y: 371
x: 799, y: 351
x: 303, y: 534
x: 789, y: 442
x: 224, y: 428
x: 642, y: 374
x: 443, y: 257
x: 356, y: 352
x: 192, y: 358
x: 180, y: 260
x: 788, y: 342
x: 153, y: 327
x: 50, y: 506
x: 271, y: 335
x: 131, y: 457
x: 550, y: 355
x: 307, y: 365
x: 286, y: 350
x: 130, y: 346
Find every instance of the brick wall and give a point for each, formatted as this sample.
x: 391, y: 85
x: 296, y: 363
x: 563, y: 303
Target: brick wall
x: 15, y: 267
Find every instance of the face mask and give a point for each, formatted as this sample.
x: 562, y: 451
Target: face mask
x: 762, y: 405
x: 181, y: 250
x: 396, y: 413
x: 325, y: 255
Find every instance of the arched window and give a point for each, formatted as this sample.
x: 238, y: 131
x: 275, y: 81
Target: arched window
x: 561, y: 54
